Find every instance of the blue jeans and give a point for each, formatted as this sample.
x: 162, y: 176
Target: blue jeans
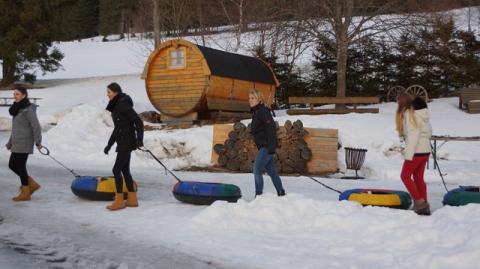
x: 264, y: 162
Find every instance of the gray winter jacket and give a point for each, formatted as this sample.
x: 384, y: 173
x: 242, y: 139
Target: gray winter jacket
x: 26, y: 131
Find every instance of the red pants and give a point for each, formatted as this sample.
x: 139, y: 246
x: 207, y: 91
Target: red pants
x: 416, y: 167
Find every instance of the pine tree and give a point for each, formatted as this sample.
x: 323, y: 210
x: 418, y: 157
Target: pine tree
x: 26, y: 36
x: 115, y: 16
x: 323, y: 79
x: 291, y: 83
x: 109, y: 17
x: 469, y: 59
x: 84, y: 18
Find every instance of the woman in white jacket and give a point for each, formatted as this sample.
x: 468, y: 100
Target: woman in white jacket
x: 413, y: 125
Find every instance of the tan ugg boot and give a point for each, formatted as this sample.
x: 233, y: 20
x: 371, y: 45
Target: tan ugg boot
x: 421, y: 207
x: 132, y: 200
x: 118, y: 203
x: 33, y: 185
x: 24, y: 194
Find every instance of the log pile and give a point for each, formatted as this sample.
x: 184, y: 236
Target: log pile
x: 238, y: 152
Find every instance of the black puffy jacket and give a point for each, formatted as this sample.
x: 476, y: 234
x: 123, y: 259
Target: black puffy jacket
x: 128, y: 131
x: 264, y: 130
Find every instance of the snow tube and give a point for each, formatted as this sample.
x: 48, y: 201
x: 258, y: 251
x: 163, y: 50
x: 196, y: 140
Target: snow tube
x: 462, y: 196
x: 96, y: 188
x: 374, y: 197
x: 201, y: 193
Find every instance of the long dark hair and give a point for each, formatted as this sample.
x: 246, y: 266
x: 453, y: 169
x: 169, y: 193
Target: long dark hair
x: 114, y: 87
x: 21, y: 89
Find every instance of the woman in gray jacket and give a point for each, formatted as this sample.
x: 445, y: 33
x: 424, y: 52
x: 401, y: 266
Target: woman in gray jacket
x: 26, y: 132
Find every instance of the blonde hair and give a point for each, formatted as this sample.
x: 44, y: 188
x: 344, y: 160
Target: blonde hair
x: 258, y: 95
x: 404, y: 105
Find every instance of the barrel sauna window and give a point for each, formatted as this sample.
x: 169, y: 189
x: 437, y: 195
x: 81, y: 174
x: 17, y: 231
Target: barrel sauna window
x: 177, y: 58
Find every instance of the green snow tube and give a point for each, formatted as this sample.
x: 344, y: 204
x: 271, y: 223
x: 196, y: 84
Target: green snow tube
x: 203, y: 193
x: 462, y: 196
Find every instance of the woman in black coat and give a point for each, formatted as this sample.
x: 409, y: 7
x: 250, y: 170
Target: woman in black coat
x: 264, y: 132
x: 128, y: 134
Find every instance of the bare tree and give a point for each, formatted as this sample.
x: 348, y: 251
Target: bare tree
x: 342, y: 23
x: 240, y: 7
x: 156, y: 22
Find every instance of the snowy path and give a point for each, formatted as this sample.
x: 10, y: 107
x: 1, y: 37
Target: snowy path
x: 14, y: 259
x: 306, y: 229
x: 38, y: 229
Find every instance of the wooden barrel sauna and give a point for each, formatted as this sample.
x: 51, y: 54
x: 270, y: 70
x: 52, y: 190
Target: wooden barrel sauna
x: 185, y: 80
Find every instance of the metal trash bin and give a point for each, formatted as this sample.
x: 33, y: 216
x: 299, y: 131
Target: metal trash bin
x: 354, y: 158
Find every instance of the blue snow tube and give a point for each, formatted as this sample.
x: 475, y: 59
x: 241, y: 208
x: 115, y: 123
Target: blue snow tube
x: 201, y: 193
x: 96, y: 188
x: 462, y: 196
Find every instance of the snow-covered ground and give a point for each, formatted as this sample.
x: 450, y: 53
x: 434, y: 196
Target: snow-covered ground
x: 308, y: 228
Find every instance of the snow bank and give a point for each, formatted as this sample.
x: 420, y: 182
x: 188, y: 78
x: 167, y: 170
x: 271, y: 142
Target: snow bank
x: 182, y: 148
x: 5, y: 124
x: 83, y: 133
x: 307, y: 233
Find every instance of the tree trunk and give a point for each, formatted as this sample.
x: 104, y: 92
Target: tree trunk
x: 8, y: 73
x: 341, y: 66
x: 156, y: 23
x: 240, y: 25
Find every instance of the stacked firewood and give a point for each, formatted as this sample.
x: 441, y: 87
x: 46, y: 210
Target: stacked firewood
x: 238, y: 152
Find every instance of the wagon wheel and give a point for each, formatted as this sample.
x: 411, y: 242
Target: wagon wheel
x: 417, y: 91
x: 393, y: 93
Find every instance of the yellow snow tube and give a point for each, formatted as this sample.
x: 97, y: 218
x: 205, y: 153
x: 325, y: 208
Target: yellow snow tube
x: 97, y: 188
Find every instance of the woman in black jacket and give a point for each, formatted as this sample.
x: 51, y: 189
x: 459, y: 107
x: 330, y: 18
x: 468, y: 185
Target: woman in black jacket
x: 265, y: 136
x: 128, y: 134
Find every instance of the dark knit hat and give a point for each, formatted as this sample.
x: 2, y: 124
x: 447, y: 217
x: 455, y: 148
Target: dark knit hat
x: 418, y: 103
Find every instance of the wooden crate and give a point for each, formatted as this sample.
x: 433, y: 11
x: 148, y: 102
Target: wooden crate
x: 322, y: 142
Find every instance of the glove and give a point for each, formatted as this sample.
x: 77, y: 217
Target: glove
x: 139, y: 144
x: 106, y: 150
x: 8, y: 146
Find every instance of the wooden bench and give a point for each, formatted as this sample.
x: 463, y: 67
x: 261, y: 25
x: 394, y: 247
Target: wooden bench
x: 353, y: 101
x: 8, y: 101
x: 468, y: 98
x: 473, y: 107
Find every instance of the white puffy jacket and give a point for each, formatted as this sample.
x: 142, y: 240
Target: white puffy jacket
x: 417, y: 137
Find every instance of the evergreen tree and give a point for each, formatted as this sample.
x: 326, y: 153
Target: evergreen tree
x: 116, y: 16
x: 83, y: 17
x: 440, y: 58
x: 323, y: 79
x: 26, y: 36
x: 469, y: 59
x: 76, y: 19
x: 291, y: 84
x: 366, y: 69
